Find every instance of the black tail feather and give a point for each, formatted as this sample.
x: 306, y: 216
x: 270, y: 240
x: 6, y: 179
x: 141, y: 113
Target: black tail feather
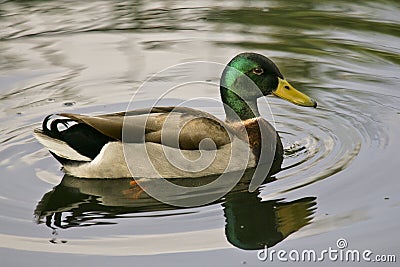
x: 83, y: 138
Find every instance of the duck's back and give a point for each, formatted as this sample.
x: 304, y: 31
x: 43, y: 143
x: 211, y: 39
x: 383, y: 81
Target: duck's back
x: 159, y: 142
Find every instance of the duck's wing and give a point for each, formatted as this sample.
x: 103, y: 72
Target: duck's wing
x: 179, y: 127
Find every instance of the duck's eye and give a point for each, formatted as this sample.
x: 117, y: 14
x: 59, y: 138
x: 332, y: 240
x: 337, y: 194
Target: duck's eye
x: 258, y: 71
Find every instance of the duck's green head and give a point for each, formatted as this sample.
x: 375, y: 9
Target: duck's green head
x: 249, y: 76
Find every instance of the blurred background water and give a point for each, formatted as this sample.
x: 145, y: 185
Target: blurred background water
x: 341, y: 173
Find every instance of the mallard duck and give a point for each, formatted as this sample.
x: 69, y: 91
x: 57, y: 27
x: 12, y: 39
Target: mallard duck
x: 107, y: 146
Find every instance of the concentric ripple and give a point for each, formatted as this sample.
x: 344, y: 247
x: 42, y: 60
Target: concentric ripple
x: 90, y: 57
x: 317, y: 148
x: 322, y: 142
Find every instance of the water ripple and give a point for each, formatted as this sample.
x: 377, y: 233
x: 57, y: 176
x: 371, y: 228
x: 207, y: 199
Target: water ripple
x: 90, y: 56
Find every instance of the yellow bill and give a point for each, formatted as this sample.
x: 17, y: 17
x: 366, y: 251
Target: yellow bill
x: 289, y: 93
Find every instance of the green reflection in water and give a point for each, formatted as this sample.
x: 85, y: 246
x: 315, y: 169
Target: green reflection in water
x: 250, y: 223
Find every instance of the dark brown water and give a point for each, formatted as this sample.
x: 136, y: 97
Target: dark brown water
x: 341, y: 178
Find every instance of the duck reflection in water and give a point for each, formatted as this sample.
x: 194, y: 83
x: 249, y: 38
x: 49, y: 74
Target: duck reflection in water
x: 250, y: 223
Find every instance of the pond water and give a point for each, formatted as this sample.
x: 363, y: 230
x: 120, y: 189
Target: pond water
x: 341, y: 175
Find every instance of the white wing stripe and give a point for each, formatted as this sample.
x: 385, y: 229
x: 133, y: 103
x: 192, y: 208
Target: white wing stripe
x: 60, y: 148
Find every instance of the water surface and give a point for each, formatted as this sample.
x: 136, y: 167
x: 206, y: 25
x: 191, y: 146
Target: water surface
x: 340, y: 178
